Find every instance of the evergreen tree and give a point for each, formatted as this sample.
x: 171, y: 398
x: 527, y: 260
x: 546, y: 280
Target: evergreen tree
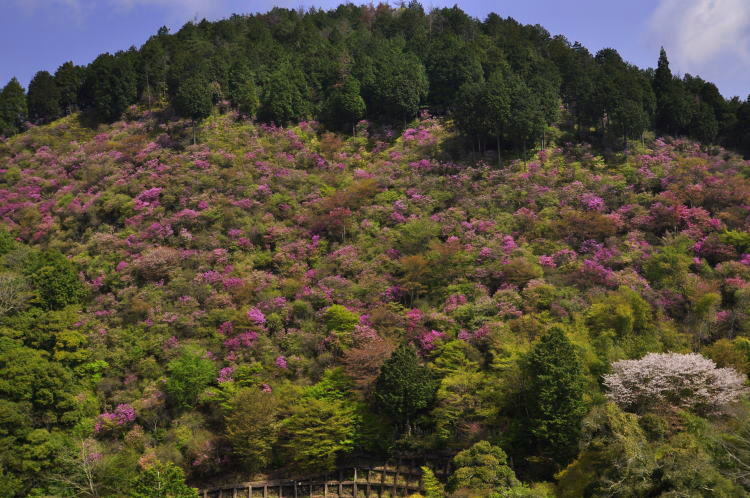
x: 404, y: 387
x: 43, y: 98
x: 704, y: 125
x: 432, y: 486
x: 242, y: 92
x: 110, y: 85
x: 554, y: 397
x: 673, y: 110
x: 396, y: 85
x: 69, y: 79
x: 13, y: 109
x: 450, y: 63
x: 152, y: 70
x: 469, y: 112
x: 193, y: 100
x: 285, y: 96
x: 526, y: 123
x: 345, y: 105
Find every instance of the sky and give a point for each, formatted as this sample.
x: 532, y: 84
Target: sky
x: 709, y: 38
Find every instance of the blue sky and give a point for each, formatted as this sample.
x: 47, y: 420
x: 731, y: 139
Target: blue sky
x: 710, y: 38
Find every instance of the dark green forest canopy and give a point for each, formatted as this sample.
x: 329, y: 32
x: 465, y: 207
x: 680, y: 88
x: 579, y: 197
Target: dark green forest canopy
x: 504, y: 82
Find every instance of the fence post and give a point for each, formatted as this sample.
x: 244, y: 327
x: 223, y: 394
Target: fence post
x: 354, y: 486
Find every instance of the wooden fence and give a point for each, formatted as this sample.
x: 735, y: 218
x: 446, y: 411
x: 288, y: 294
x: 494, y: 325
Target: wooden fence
x: 359, y: 480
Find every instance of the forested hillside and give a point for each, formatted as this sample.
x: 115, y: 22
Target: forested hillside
x: 503, y: 82
x: 212, y: 274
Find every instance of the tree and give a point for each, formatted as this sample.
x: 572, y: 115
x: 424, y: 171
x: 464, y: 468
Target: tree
x: 704, y: 126
x: 13, y: 108
x: 482, y: 470
x: 345, y: 106
x: 251, y: 427
x: 69, y: 79
x: 396, y: 84
x: 242, y: 92
x: 189, y: 374
x: 450, y: 63
x: 55, y: 279
x: 339, y: 318
x: 110, y: 85
x: 615, y: 459
x: 152, y: 69
x: 526, y: 123
x: 193, y: 100
x: 404, y: 387
x: 317, y: 432
x: 14, y: 291
x: 162, y: 481
x: 554, y: 397
x: 43, y: 98
x: 432, y: 486
x: 285, y: 96
x: 659, y: 381
x: 673, y: 110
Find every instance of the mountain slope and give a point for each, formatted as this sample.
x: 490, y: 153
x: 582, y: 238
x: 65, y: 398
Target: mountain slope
x: 288, y: 263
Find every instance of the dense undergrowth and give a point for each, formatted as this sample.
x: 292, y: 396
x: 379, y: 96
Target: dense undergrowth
x: 227, y: 306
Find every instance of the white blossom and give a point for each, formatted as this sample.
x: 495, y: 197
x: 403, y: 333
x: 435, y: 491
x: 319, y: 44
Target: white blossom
x: 664, y: 380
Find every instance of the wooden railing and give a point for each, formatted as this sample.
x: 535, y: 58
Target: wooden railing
x: 360, y: 480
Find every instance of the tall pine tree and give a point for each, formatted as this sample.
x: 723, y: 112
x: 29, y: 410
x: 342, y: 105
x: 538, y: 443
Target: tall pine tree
x: 43, y: 98
x: 554, y: 398
x: 13, y: 110
x: 404, y: 386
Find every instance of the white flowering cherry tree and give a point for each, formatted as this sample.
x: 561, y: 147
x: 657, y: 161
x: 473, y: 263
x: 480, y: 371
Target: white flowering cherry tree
x: 661, y: 381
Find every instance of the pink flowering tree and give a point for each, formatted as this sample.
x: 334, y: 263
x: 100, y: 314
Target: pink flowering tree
x: 672, y: 380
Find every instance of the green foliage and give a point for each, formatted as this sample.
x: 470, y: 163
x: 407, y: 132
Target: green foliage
x: 554, y: 395
x: 13, y: 108
x: 189, y: 374
x: 345, y: 105
x: 339, y: 318
x: 404, y: 387
x: 69, y: 79
x: 110, y: 85
x: 285, y: 96
x: 252, y: 427
x: 316, y: 433
x: 55, y: 279
x: 43, y: 98
x: 624, y: 312
x: 433, y: 488
x: 242, y: 91
x: 193, y: 99
x: 482, y: 469
x: 162, y: 481
x: 668, y: 266
x: 397, y: 84
x: 738, y: 239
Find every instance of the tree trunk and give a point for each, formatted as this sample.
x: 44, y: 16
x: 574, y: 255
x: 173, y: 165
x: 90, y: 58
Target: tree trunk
x: 499, y: 161
x: 194, y: 141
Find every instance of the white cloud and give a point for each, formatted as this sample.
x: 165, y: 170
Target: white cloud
x: 75, y: 9
x: 181, y: 8
x: 706, y: 37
